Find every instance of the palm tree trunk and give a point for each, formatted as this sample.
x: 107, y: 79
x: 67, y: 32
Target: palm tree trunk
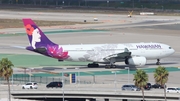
x: 165, y: 94
x: 9, y: 93
x: 142, y: 92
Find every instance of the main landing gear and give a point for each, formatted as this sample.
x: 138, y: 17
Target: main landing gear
x: 158, y: 62
x: 110, y: 66
x: 93, y: 65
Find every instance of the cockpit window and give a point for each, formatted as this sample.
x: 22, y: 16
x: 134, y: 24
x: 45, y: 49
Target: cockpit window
x: 170, y: 48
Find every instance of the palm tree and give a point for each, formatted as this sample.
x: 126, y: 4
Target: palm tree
x: 140, y: 78
x: 161, y: 77
x: 6, y: 71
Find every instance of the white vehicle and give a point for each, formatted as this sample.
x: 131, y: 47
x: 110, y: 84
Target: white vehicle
x: 135, y: 54
x: 30, y: 85
x: 173, y: 90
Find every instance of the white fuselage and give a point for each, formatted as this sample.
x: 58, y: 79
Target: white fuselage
x: 97, y: 52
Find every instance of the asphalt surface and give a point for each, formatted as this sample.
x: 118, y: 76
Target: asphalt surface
x: 114, y: 29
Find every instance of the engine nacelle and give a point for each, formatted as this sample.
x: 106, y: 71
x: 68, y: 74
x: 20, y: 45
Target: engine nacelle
x: 137, y: 61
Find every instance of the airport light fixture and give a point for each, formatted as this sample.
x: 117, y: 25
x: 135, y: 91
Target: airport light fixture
x: 127, y: 68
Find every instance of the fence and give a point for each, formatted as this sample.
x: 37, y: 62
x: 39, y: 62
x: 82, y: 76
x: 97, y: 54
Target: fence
x: 19, y: 79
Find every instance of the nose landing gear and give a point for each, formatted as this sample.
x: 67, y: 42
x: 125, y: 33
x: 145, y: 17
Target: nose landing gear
x: 158, y: 62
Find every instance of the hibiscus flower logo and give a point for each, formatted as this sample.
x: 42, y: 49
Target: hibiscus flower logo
x: 57, y: 52
x: 29, y: 29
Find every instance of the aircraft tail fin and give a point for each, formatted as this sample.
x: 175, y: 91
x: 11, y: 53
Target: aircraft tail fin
x: 41, y: 44
x: 36, y: 37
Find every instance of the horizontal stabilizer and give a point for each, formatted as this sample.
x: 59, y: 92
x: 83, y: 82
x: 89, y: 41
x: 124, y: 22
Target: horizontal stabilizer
x: 21, y: 47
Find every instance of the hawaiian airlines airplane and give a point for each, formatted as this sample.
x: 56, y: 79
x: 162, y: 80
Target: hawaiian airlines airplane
x: 131, y: 53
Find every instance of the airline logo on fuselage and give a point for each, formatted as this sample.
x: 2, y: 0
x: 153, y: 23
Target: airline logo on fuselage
x: 155, y: 46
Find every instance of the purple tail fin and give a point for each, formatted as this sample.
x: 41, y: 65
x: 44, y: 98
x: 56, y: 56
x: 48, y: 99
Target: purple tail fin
x: 36, y: 37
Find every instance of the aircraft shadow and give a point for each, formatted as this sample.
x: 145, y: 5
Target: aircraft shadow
x: 131, y: 68
x: 167, y: 63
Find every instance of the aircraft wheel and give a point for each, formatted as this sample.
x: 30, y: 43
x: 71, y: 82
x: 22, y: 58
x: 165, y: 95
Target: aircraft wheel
x: 107, y: 66
x: 158, y: 63
x: 90, y: 65
x: 113, y: 66
x: 93, y: 65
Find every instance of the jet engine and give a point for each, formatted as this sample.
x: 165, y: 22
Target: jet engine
x: 136, y: 60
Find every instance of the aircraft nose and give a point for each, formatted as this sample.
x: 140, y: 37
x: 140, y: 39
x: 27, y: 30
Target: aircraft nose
x: 173, y: 51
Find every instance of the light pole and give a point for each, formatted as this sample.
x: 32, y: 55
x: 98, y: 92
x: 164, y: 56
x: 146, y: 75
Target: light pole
x: 115, y: 80
x: 56, y: 2
x: 12, y: 79
x: 142, y: 7
x: 94, y: 79
x: 85, y: 3
x: 128, y: 73
x: 162, y: 8
x: 25, y: 74
x: 133, y: 3
x: 115, y: 73
x: 30, y: 74
x: 107, y: 3
x: 63, y: 81
x: 63, y: 3
x: 78, y: 79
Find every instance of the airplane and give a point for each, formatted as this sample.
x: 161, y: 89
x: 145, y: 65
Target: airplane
x: 135, y: 54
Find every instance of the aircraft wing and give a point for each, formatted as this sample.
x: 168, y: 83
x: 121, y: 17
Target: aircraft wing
x: 122, y: 55
x: 20, y: 47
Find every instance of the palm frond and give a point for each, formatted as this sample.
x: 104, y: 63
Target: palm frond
x: 161, y: 75
x: 5, y: 68
x: 140, y: 78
